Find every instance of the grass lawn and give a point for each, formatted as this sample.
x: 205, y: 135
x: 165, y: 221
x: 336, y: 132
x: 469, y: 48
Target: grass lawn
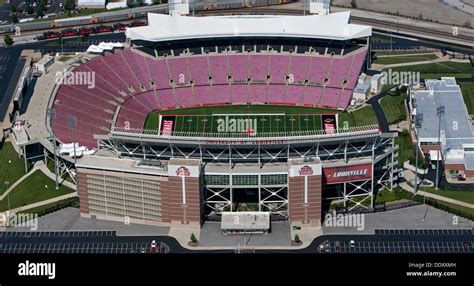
x: 438, y: 70
x: 363, y: 116
x: 465, y: 210
x: 404, y: 59
x: 397, y: 194
x: 406, y: 150
x: 33, y: 189
x: 307, y: 118
x: 465, y: 196
x: 468, y: 95
x: 12, y: 167
x: 393, y: 107
x: 42, y: 210
x: 65, y: 58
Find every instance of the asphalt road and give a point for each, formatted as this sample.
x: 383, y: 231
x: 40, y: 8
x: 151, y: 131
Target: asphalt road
x: 374, y: 102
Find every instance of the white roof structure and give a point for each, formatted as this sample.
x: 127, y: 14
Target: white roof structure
x: 456, y: 132
x: 163, y: 27
x: 104, y: 46
x: 91, y: 3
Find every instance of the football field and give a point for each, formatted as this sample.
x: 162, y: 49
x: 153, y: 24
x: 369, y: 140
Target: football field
x: 241, y: 118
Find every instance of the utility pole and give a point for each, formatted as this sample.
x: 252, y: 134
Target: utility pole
x: 439, y: 112
x: 51, y: 114
x: 418, y: 121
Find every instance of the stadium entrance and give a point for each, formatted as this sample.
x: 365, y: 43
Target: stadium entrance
x: 245, y: 188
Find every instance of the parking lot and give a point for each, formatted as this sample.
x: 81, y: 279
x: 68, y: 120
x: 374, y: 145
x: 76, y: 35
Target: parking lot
x: 64, y: 234
x: 81, y: 248
x: 396, y: 246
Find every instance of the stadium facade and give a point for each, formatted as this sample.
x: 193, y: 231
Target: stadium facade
x: 187, y: 176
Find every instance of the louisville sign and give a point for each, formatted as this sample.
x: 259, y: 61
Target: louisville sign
x: 341, y: 174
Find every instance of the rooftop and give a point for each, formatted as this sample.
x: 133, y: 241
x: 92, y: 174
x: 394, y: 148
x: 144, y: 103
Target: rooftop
x: 163, y: 27
x: 455, y: 123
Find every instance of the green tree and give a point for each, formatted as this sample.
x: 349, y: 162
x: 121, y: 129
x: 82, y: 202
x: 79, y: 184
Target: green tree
x: 40, y: 13
x: 8, y: 40
x: 14, y: 18
x: 69, y: 5
x: 297, y: 238
x: 403, y: 89
x: 12, y: 8
x: 353, y: 3
x: 193, y: 238
x: 29, y: 10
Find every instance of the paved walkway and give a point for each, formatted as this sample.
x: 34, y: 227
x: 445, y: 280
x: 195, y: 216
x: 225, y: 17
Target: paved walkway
x: 445, y: 199
x: 42, y: 203
x: 410, y: 189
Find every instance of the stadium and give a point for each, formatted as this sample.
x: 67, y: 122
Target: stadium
x: 202, y: 116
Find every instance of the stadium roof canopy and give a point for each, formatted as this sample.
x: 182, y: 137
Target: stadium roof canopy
x: 168, y: 28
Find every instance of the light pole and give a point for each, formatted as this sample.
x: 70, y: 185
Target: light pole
x: 72, y: 122
x: 439, y: 112
x: 51, y: 114
x: 418, y: 121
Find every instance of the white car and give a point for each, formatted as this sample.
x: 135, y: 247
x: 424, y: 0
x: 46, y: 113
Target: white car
x: 352, y: 243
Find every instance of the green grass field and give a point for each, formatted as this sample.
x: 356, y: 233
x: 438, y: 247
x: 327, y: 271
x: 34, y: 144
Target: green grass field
x: 407, y: 150
x: 438, y: 70
x: 12, y: 167
x: 465, y: 196
x: 37, y: 187
x: 393, y: 107
x: 294, y: 118
x: 468, y: 95
x: 404, y: 59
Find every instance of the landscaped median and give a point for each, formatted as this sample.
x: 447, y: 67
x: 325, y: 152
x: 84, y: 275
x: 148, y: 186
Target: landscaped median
x: 36, y: 188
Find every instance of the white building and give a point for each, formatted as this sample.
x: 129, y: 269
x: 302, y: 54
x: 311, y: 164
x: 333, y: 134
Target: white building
x: 43, y: 64
x: 376, y: 83
x: 361, y: 91
x: 90, y: 4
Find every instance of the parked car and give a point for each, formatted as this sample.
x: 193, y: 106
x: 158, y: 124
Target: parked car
x: 352, y: 243
x: 153, y: 247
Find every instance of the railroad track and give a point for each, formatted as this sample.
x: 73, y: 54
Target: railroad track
x: 469, y: 39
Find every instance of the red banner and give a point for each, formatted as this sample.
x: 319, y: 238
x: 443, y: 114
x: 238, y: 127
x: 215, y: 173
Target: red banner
x: 341, y: 174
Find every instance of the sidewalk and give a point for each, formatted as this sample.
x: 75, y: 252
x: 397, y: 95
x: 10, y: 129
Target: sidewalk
x: 410, y: 189
x: 42, y: 203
